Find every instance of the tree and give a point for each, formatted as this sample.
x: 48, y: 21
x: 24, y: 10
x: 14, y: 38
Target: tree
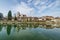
x: 1, y: 16
x: 9, y: 15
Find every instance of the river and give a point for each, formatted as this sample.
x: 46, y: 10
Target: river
x: 29, y: 32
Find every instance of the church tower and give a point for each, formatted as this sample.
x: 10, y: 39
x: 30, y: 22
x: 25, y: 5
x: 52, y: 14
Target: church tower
x: 18, y: 16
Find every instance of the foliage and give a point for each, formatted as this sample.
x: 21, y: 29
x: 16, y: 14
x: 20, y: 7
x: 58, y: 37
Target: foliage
x: 9, y: 15
x: 15, y: 18
x: 1, y: 16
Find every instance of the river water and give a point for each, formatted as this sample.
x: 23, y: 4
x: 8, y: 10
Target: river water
x: 29, y: 32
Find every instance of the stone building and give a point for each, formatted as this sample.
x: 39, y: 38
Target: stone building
x: 18, y: 16
x: 24, y: 18
x: 47, y: 18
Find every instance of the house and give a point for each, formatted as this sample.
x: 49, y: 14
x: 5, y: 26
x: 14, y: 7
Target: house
x: 35, y: 19
x: 40, y: 18
x: 47, y: 18
x: 56, y: 20
x: 30, y: 19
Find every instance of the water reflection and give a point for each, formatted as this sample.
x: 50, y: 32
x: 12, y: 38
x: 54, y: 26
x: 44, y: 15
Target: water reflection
x: 9, y: 29
x: 29, y: 32
x: 0, y: 27
x: 24, y: 26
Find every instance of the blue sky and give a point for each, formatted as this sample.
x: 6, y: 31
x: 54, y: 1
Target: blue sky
x: 31, y: 7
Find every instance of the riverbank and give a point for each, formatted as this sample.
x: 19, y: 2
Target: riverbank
x: 17, y: 22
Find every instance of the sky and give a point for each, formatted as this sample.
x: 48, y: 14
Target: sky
x: 31, y: 7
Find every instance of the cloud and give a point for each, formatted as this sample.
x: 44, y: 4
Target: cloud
x: 57, y: 2
x: 31, y: 7
x: 36, y: 2
x: 41, y: 5
x: 23, y: 8
x: 37, y: 6
x: 29, y: 1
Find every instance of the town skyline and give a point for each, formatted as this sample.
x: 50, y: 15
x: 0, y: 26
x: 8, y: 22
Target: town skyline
x: 15, y: 14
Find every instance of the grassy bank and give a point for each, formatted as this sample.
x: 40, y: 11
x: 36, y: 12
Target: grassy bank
x: 17, y: 22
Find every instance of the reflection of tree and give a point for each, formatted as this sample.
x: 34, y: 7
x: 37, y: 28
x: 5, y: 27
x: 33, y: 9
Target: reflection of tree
x: 18, y: 28
x: 30, y: 25
x: 33, y: 25
x: 36, y: 25
x: 8, y: 29
x: 0, y: 27
x: 15, y: 26
x: 24, y: 26
x: 49, y: 27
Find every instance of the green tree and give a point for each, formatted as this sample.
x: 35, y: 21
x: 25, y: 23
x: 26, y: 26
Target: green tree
x: 15, y: 18
x: 1, y: 16
x: 9, y: 15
